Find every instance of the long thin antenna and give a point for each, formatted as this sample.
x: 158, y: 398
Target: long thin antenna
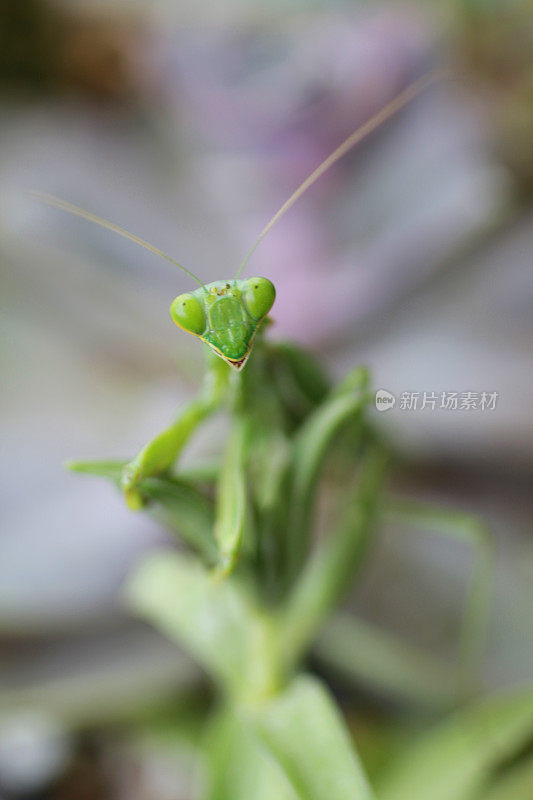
x: 50, y: 200
x: 367, y: 127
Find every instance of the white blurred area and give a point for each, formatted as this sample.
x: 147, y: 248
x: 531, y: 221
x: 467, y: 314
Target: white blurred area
x: 411, y: 256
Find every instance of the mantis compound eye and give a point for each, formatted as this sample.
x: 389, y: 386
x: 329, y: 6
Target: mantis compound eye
x: 259, y: 295
x: 188, y: 312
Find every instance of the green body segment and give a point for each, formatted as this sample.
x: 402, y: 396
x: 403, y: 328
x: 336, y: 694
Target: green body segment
x: 225, y: 315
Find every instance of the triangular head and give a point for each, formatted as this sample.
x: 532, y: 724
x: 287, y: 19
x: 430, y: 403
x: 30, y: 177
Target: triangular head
x: 226, y: 315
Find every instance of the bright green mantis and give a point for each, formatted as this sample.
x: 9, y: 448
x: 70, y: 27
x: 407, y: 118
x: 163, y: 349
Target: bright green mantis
x: 225, y: 315
x: 285, y: 420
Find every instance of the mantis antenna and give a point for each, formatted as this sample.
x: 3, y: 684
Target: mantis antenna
x: 367, y: 127
x: 80, y: 212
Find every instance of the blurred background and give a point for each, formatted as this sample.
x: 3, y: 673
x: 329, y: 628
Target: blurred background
x: 189, y: 124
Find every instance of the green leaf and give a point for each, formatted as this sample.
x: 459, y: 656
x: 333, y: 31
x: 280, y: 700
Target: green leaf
x: 372, y: 657
x: 238, y: 766
x: 214, y: 620
x: 452, y: 761
x: 231, y: 499
x: 304, y: 732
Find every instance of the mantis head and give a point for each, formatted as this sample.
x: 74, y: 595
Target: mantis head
x: 226, y: 315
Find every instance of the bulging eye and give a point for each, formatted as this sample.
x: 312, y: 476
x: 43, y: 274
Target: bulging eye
x: 187, y: 312
x: 259, y: 295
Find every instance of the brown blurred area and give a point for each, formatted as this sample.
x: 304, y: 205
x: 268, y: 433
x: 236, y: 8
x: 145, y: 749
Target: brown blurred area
x: 494, y: 45
x: 55, y: 48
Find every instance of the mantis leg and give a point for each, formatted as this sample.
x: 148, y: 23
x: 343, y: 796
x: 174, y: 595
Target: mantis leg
x: 470, y: 530
x: 330, y: 570
x: 299, y: 379
x: 346, y: 403
x: 162, y: 451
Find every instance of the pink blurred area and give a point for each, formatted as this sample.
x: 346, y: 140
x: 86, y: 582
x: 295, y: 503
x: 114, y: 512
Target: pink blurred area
x: 282, y: 100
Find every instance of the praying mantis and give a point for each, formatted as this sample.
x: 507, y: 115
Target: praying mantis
x: 285, y: 419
